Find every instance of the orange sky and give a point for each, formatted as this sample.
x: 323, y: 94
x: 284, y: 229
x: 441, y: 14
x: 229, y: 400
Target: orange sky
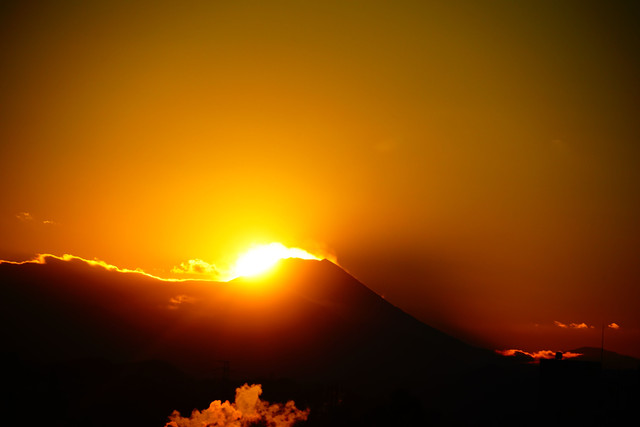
x: 474, y: 163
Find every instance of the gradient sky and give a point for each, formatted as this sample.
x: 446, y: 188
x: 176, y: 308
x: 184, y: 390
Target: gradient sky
x: 474, y: 162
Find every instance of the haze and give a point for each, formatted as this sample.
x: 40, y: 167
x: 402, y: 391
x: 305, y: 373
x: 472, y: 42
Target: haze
x: 473, y: 162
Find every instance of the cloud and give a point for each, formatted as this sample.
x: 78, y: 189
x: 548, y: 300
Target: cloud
x: 578, y: 325
x: 247, y: 410
x: 27, y: 217
x: 196, y: 266
x: 43, y: 258
x: 257, y: 259
x: 537, y: 355
x: 178, y: 300
x: 613, y: 326
x: 572, y: 325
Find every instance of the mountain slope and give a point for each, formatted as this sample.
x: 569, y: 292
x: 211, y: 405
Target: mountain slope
x: 610, y: 359
x: 305, y: 320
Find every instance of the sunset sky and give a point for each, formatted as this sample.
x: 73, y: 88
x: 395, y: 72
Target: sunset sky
x: 477, y: 163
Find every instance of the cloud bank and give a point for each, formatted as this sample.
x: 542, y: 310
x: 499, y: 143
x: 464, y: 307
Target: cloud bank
x: 247, y: 410
x: 542, y: 354
x: 572, y: 325
x: 42, y: 259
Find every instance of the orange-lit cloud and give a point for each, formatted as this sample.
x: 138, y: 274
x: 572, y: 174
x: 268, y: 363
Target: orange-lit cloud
x: 27, y: 217
x: 253, y: 261
x: 613, y: 326
x: 572, y: 325
x: 178, y: 300
x: 197, y: 266
x: 258, y: 259
x: 42, y: 259
x: 542, y: 354
x: 579, y: 326
x: 247, y: 410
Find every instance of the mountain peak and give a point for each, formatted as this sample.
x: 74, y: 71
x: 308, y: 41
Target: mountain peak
x: 305, y: 319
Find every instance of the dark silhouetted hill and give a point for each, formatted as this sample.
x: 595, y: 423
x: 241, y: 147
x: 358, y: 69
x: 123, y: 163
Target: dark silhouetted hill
x: 84, y: 346
x: 306, y: 320
x: 610, y: 359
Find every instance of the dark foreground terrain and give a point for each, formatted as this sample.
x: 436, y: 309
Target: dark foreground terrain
x: 82, y: 346
x: 95, y: 392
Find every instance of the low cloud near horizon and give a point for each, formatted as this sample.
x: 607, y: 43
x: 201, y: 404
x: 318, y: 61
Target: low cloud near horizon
x: 541, y: 354
x: 247, y: 410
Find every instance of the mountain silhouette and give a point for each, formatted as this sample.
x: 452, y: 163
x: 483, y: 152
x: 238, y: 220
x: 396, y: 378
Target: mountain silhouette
x: 609, y: 359
x: 87, y: 346
x: 306, y: 320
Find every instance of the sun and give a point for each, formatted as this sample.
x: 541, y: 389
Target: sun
x: 262, y: 258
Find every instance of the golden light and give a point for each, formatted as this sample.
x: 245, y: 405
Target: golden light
x: 260, y: 259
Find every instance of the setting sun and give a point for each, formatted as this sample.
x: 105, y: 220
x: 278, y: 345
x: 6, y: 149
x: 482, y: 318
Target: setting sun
x: 260, y: 259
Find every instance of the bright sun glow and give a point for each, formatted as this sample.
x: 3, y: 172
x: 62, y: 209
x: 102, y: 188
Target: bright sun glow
x: 261, y: 258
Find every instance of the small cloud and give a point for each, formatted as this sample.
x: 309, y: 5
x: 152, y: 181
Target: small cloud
x: 196, y: 266
x: 25, y: 216
x: 579, y: 326
x: 572, y: 325
x: 178, y: 300
x: 613, y: 326
x: 569, y: 355
x: 517, y: 354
